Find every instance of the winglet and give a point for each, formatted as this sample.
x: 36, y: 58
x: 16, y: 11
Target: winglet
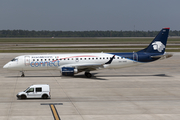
x: 109, y: 62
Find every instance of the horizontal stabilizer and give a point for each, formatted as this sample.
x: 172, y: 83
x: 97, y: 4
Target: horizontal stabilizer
x: 166, y: 55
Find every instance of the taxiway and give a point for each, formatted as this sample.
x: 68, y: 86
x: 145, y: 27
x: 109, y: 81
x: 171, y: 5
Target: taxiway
x: 147, y: 92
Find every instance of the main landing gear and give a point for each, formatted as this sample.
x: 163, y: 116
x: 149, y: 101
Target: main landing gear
x: 88, y: 74
x: 22, y: 75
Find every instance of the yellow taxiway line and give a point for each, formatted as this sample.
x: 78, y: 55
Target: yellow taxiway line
x: 54, y: 111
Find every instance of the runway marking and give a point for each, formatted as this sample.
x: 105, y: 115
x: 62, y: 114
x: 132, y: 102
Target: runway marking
x: 53, y: 109
x: 54, y: 112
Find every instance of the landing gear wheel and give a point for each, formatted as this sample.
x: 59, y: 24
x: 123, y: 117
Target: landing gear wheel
x: 22, y: 74
x: 88, y: 75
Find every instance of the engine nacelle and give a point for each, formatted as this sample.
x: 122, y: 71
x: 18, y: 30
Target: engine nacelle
x: 75, y: 71
x: 68, y: 71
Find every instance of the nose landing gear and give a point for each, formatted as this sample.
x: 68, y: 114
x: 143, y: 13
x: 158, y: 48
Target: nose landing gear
x: 22, y: 75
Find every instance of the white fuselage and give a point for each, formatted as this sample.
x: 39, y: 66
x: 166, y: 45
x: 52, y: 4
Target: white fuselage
x: 57, y: 61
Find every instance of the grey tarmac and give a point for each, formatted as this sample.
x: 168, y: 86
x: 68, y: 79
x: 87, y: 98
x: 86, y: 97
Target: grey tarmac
x: 146, y: 92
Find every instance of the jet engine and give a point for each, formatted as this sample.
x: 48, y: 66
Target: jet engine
x: 68, y: 71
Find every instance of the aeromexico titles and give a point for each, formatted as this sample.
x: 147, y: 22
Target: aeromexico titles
x: 70, y: 64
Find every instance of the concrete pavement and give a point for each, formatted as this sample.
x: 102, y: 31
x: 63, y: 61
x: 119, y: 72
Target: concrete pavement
x: 147, y: 92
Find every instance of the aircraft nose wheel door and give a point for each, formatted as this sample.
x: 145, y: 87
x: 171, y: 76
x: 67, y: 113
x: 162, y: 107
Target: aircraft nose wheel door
x: 135, y: 57
x: 27, y: 60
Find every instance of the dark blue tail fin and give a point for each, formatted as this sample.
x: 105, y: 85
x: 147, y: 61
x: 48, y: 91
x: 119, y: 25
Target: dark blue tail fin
x: 158, y: 45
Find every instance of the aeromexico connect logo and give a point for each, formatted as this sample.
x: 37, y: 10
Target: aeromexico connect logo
x: 159, y: 46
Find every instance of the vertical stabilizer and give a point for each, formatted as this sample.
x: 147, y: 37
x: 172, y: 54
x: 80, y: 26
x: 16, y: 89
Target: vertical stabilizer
x: 158, y: 45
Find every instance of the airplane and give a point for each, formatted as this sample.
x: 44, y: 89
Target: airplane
x: 70, y: 64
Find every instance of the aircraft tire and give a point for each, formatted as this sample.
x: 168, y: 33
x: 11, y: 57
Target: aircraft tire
x: 88, y: 75
x: 23, y: 75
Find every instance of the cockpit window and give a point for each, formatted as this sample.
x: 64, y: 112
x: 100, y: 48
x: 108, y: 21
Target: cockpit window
x: 14, y: 59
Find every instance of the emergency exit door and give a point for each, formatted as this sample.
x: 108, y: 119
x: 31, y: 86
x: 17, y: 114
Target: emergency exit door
x: 135, y: 57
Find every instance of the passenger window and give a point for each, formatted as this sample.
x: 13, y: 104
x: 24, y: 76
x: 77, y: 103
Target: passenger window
x: 30, y: 90
x: 38, y: 89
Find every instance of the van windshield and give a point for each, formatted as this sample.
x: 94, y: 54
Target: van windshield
x: 26, y: 89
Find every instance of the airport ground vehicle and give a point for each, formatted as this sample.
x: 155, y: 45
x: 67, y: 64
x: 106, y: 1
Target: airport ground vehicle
x: 35, y: 91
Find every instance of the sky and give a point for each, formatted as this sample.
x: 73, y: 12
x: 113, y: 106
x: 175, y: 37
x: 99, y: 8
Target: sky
x: 87, y: 15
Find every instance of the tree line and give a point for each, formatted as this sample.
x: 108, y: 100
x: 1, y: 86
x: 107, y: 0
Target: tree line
x: 44, y: 33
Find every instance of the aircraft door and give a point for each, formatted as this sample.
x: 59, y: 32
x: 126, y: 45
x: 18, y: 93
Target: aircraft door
x: 135, y: 57
x: 27, y: 60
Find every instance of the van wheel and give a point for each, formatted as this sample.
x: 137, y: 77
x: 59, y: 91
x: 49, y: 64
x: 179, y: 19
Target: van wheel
x: 44, y: 96
x: 23, y: 97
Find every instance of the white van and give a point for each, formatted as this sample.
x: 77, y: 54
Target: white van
x: 35, y: 91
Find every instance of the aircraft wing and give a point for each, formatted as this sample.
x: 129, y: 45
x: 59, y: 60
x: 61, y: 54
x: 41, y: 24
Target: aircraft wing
x: 89, y: 66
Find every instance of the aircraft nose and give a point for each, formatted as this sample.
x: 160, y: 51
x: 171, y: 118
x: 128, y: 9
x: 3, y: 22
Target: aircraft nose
x: 6, y: 66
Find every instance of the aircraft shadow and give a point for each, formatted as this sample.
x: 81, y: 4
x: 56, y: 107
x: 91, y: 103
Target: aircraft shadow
x: 94, y: 77
x: 29, y: 76
x: 158, y: 75
x: 63, y: 77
